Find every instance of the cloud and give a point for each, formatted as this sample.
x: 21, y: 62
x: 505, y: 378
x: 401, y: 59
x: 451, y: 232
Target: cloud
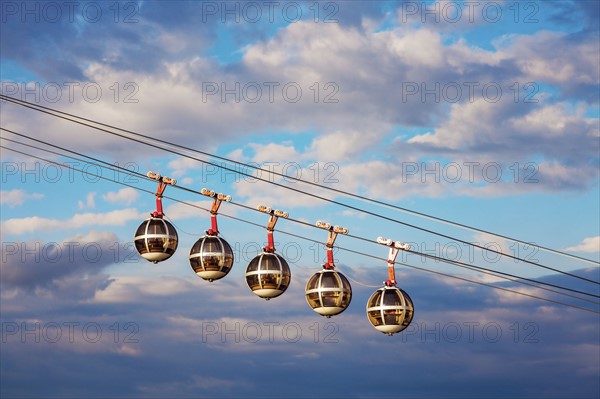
x: 125, y: 196
x: 178, y: 323
x: 494, y: 243
x: 564, y: 140
x: 179, y: 211
x: 89, y: 202
x: 195, y: 384
x: 576, y: 70
x: 550, y: 130
x: 342, y: 145
x: 128, y: 289
x: 187, y: 181
x: 17, y: 197
x: 341, y: 72
x: 463, y: 334
x: 151, y: 32
x: 19, y: 226
x: 72, y: 266
x: 368, y: 72
x: 185, y: 324
x: 181, y: 165
x: 273, y: 152
x: 258, y: 192
x: 589, y: 245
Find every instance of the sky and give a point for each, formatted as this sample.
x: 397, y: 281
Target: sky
x: 481, y: 113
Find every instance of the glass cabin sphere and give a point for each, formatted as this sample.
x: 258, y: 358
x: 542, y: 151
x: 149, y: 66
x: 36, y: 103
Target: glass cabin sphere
x: 156, y: 239
x: 328, y: 292
x: 390, y: 310
x: 268, y: 275
x: 211, y: 257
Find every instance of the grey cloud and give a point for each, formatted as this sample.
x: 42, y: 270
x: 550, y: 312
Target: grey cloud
x: 174, y: 359
x: 572, y: 13
x: 139, y: 36
x: 57, y: 266
x: 371, y: 71
x: 123, y: 35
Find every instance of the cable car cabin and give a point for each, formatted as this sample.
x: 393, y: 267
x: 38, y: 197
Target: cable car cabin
x: 156, y: 239
x: 211, y: 257
x: 390, y: 310
x: 328, y: 292
x: 268, y: 275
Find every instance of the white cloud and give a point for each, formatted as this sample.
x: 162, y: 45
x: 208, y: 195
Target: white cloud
x: 17, y: 197
x: 553, y: 57
x: 133, y: 289
x: 105, y: 237
x: 125, y: 196
x: 237, y: 154
x: 181, y: 165
x: 18, y: 226
x: 259, y: 192
x: 195, y: 384
x: 89, y: 203
x: 493, y: 243
x: 506, y: 297
x: 127, y: 350
x: 343, y: 144
x: 589, y: 244
x: 179, y: 211
x: 61, y: 269
x: 273, y: 152
x: 468, y: 124
x: 368, y: 68
x: 353, y: 214
x: 388, y: 181
x: 505, y: 132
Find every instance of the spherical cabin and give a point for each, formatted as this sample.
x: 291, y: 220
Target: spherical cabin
x: 211, y: 257
x: 156, y: 239
x: 268, y: 275
x: 390, y: 310
x: 328, y: 292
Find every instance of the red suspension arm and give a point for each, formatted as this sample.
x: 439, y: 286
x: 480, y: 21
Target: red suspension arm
x: 274, y: 215
x: 395, y: 247
x: 163, y: 181
x: 217, y: 200
x: 333, y: 232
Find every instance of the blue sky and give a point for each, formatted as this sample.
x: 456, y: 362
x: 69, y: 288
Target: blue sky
x: 485, y: 114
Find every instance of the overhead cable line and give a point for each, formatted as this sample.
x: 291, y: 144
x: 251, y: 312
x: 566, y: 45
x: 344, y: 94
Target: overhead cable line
x: 309, y: 239
x: 343, y: 192
x: 459, y: 264
x: 314, y: 195
x: 437, y: 258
